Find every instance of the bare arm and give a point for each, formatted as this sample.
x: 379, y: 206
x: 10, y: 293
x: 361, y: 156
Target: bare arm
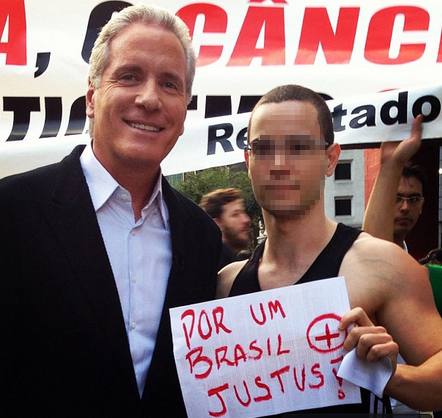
x: 418, y: 387
x: 419, y: 384
x: 394, y: 291
x: 379, y: 215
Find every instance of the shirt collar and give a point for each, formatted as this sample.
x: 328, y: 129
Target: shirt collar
x: 102, y: 185
x: 157, y: 198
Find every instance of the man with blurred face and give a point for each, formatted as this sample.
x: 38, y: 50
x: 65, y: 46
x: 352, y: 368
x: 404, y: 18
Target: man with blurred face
x: 96, y: 249
x: 290, y: 151
x: 226, y: 207
x: 284, y: 188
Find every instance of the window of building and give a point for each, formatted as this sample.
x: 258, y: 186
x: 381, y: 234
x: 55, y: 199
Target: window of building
x: 342, y: 206
x: 343, y: 170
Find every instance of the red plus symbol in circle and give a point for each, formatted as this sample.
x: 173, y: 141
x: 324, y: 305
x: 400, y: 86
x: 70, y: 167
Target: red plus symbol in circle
x: 319, y: 331
x: 328, y: 336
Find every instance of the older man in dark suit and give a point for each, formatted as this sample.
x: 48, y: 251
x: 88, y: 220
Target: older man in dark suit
x: 94, y: 250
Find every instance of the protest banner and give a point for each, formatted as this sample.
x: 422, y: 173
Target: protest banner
x: 263, y: 353
x: 220, y: 141
x: 245, y: 48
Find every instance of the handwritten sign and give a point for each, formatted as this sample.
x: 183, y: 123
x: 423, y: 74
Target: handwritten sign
x: 263, y: 353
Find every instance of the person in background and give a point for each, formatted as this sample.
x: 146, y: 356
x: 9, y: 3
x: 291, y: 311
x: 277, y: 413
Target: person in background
x: 397, y: 198
x: 94, y: 250
x: 290, y: 152
x: 433, y: 257
x: 226, y: 207
x: 409, y: 202
x: 433, y: 262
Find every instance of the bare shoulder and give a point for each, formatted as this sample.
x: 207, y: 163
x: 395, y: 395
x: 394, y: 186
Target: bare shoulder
x: 226, y: 277
x: 382, y: 260
x: 377, y: 271
x: 377, y: 255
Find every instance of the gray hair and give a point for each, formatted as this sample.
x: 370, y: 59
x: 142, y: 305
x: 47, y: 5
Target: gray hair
x: 144, y: 14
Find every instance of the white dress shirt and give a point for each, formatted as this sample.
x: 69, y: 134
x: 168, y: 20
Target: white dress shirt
x: 140, y: 255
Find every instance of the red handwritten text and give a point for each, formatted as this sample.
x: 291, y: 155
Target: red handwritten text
x: 261, y: 389
x: 204, y: 326
x: 201, y: 365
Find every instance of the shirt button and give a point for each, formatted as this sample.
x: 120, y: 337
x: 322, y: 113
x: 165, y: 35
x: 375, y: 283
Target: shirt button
x: 133, y: 279
x: 133, y: 325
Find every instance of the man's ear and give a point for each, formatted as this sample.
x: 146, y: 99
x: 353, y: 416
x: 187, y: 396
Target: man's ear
x: 182, y: 129
x: 90, y: 105
x: 218, y: 222
x: 247, y: 157
x: 333, y: 153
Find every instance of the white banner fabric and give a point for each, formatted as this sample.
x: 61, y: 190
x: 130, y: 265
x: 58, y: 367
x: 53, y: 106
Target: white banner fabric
x: 220, y: 141
x: 345, y: 48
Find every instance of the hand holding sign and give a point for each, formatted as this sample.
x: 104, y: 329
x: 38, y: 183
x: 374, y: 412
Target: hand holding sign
x: 371, y: 342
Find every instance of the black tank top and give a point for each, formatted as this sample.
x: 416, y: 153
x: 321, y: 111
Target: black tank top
x: 326, y: 265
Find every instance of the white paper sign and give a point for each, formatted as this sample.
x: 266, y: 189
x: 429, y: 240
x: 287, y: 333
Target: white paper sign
x: 263, y: 353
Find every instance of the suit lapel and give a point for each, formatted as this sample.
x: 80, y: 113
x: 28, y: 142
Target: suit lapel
x: 72, y: 217
x: 176, y: 290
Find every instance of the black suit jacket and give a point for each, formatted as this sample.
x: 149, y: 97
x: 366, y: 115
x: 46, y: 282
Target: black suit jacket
x: 63, y: 345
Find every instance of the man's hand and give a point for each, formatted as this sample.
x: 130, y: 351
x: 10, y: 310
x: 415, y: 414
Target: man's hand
x: 371, y: 342
x: 399, y: 153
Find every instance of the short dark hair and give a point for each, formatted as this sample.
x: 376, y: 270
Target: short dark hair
x: 214, y: 201
x: 293, y: 92
x: 414, y: 170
